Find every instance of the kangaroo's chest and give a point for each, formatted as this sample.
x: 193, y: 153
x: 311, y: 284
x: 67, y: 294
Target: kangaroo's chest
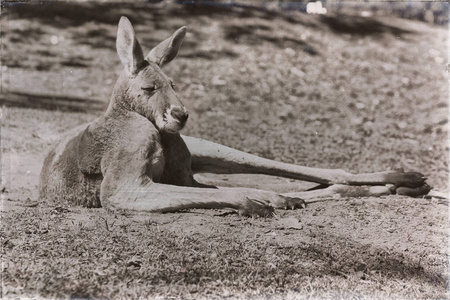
x: 166, y: 157
x: 169, y: 162
x: 177, y: 161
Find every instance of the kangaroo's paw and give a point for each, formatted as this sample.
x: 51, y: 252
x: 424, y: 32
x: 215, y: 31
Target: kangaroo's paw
x: 411, y: 191
x: 400, y: 178
x: 256, y: 208
x: 285, y: 202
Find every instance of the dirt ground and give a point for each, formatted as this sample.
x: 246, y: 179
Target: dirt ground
x: 387, y: 247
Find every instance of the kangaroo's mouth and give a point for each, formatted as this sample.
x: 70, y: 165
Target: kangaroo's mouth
x: 169, y: 128
x: 171, y: 125
x: 174, y: 119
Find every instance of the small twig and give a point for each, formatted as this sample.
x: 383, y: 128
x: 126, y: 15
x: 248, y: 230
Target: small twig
x: 106, y: 223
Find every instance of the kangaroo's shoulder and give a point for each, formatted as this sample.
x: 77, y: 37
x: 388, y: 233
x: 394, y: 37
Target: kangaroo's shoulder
x: 124, y: 134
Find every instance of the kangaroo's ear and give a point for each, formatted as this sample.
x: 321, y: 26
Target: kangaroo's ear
x: 168, y: 49
x: 128, y: 48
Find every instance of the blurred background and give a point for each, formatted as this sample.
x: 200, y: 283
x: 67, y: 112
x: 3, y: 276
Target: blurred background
x: 360, y: 86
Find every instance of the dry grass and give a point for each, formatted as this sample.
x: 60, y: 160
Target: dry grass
x: 354, y: 93
x: 56, y: 253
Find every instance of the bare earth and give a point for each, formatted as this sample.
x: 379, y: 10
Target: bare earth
x: 388, y: 247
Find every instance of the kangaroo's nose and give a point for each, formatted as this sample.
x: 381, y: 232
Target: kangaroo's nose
x: 180, y: 114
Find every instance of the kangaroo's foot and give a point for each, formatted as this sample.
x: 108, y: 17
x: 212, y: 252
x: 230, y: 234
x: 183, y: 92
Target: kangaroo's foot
x: 408, y: 183
x: 399, y: 178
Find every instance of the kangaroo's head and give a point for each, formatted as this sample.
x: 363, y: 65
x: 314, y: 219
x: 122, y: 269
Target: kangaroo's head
x: 143, y: 87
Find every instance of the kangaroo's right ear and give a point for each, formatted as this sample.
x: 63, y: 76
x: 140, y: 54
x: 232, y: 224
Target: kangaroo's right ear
x: 128, y: 48
x: 168, y: 49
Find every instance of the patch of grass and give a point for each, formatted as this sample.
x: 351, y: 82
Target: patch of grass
x: 55, y: 253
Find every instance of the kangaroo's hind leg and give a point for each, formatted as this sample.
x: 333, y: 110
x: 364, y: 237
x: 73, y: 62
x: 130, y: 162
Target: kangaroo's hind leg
x: 215, y: 158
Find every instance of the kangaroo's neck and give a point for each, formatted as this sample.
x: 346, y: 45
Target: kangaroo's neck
x: 117, y: 106
x: 120, y: 101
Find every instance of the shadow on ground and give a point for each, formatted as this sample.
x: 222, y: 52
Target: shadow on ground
x: 51, y: 102
x: 361, y: 26
x: 65, y: 15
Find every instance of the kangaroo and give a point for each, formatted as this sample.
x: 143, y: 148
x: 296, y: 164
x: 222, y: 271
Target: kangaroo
x: 134, y: 158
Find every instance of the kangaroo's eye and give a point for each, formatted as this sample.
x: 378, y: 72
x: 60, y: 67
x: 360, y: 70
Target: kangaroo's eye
x: 150, y: 89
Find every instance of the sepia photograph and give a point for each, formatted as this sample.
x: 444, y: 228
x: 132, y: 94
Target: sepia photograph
x: 224, y: 149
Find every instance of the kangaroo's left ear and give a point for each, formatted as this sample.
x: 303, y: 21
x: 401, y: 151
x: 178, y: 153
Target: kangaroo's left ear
x: 168, y: 49
x: 128, y: 47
